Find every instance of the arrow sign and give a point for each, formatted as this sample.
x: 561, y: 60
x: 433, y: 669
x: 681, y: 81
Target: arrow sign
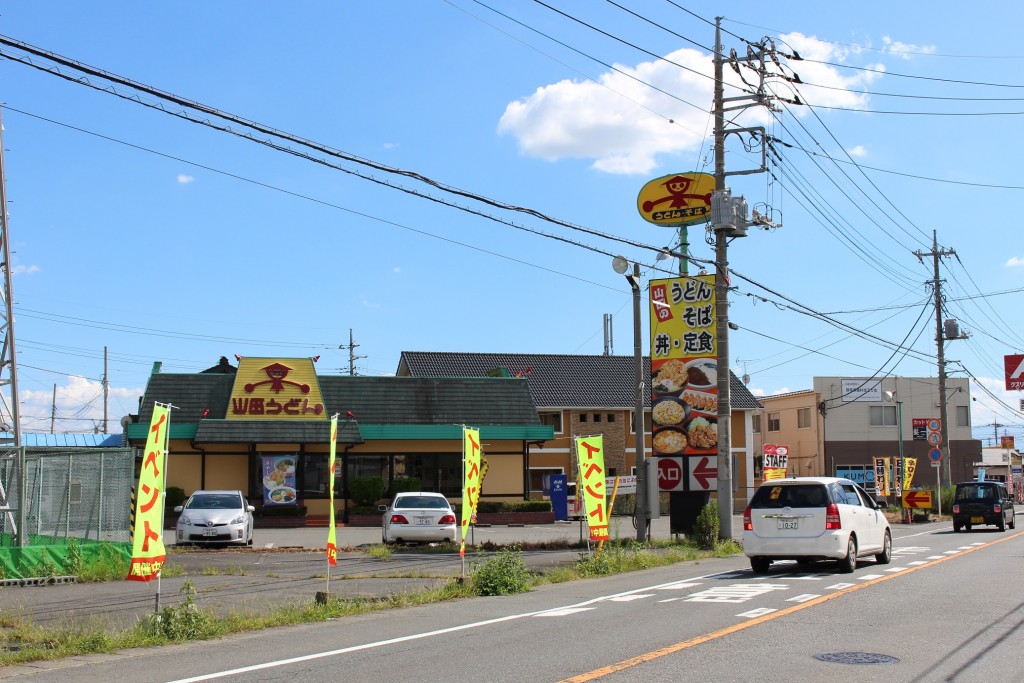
x: 703, y: 473
x: 917, y: 499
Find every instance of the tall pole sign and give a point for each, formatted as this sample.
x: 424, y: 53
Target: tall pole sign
x: 1014, y: 365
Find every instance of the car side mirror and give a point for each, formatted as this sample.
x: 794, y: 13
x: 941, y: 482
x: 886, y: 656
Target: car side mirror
x: 250, y: 508
x: 382, y: 508
x: 178, y: 508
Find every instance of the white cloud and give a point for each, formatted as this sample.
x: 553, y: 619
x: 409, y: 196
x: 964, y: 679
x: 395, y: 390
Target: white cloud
x: 81, y: 398
x: 185, y: 179
x: 24, y: 270
x: 858, y: 151
x: 1014, y: 261
x: 397, y: 269
x: 625, y: 126
x: 905, y: 50
x: 369, y: 304
x: 390, y: 145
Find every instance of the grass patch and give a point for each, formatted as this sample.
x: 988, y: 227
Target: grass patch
x: 379, y: 552
x: 223, y: 571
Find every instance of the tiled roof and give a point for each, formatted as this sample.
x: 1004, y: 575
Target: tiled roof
x: 474, y: 401
x: 556, y: 381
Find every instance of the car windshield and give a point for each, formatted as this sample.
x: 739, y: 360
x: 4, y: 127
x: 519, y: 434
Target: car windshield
x: 793, y: 495
x: 215, y: 501
x: 976, y: 492
x: 421, y: 503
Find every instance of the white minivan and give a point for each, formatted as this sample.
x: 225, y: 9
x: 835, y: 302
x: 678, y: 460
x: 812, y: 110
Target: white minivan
x: 814, y: 518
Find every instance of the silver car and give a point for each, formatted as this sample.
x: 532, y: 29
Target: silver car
x: 417, y: 518
x: 215, y: 517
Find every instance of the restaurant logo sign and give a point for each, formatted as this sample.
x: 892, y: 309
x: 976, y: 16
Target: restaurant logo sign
x: 276, y: 389
x: 677, y: 199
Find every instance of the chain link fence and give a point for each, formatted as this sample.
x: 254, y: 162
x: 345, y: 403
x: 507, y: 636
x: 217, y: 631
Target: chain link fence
x: 64, y: 494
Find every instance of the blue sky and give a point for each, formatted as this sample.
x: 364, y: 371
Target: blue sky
x: 164, y: 240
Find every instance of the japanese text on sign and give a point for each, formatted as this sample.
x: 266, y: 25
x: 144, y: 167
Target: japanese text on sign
x: 471, y: 485
x: 148, y: 553
x: 590, y: 456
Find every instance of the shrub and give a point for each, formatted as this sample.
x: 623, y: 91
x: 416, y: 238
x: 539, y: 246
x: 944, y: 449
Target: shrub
x: 174, y: 497
x: 405, y: 484
x: 366, y: 490
x: 180, y: 622
x: 706, y: 525
x: 504, y: 574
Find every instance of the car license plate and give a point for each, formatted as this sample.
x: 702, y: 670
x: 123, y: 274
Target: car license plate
x: 788, y: 524
x: 423, y: 521
x: 977, y: 520
x: 209, y: 532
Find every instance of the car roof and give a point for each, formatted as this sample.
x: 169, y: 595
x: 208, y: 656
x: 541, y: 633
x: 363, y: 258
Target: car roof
x: 807, y: 480
x: 196, y: 493
x: 421, y: 493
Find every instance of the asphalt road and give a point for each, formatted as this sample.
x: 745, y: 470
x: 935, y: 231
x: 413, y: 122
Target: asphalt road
x: 944, y: 610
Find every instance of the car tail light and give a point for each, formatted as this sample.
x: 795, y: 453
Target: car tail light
x: 832, y: 520
x: 997, y: 508
x: 399, y: 519
x: 747, y: 525
x: 447, y: 519
x: 956, y: 509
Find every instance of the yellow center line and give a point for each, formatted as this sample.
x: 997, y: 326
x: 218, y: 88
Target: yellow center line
x: 735, y: 628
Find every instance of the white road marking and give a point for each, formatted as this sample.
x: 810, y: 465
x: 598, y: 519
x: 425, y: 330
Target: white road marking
x: 630, y: 598
x: 757, y: 612
x: 893, y: 570
x: 840, y: 586
x: 803, y: 598
x: 868, y: 577
x: 678, y: 586
x: 951, y: 552
x: 916, y: 563
x: 564, y: 612
x: 738, y: 592
x: 934, y: 557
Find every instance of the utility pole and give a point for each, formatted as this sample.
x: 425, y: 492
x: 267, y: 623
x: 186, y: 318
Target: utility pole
x: 352, y: 357
x: 106, y: 389
x: 53, y: 409
x: 936, y: 254
x: 728, y: 221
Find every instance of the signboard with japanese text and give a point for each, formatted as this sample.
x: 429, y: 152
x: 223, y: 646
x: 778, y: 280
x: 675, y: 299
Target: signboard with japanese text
x: 920, y: 427
x: 148, y: 552
x: 856, y: 389
x: 684, y: 375
x: 471, y: 484
x: 332, y: 546
x: 776, y: 461
x: 276, y: 389
x: 677, y: 199
x: 1014, y: 367
x: 590, y: 456
x: 881, y: 477
x: 909, y: 468
x: 1006, y: 441
x: 671, y: 474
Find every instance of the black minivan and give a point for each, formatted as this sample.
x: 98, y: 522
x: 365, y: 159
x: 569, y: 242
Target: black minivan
x: 982, y: 502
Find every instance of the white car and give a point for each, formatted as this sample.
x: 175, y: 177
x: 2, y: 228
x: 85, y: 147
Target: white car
x: 215, y: 517
x: 417, y: 518
x: 814, y: 518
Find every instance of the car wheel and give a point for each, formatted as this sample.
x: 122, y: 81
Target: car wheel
x: 760, y: 565
x: 886, y: 555
x: 849, y: 563
x: 1002, y: 524
x: 1013, y: 521
x: 967, y: 527
x: 956, y: 528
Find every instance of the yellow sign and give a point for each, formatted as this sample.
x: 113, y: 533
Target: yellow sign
x: 471, y: 485
x: 887, y: 482
x: 677, y: 199
x: 773, y: 473
x: 909, y: 467
x: 276, y: 389
x: 917, y: 499
x: 590, y: 456
x: 148, y: 552
x: 332, y: 547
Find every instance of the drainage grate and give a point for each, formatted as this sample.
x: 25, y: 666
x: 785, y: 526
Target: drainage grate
x: 38, y: 581
x: 856, y: 658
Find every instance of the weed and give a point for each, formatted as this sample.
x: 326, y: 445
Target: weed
x: 181, y: 622
x: 504, y: 574
x: 706, y: 526
x: 380, y: 552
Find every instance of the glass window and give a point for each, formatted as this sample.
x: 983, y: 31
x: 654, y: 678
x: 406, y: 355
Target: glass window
x: 313, y: 475
x: 537, y: 475
x: 611, y: 417
x: 774, y: 424
x: 756, y: 422
x: 597, y: 417
x: 583, y: 417
x: 803, y: 418
x: 552, y: 419
x: 883, y: 416
x: 963, y: 416
x: 647, y: 421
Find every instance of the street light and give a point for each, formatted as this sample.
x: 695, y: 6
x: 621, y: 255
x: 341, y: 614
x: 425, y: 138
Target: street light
x: 620, y: 265
x: 891, y: 396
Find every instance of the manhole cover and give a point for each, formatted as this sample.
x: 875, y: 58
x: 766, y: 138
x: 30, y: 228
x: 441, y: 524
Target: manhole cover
x: 856, y: 658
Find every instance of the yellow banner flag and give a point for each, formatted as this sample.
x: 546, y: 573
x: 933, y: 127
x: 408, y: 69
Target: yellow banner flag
x: 887, y: 480
x: 148, y: 552
x: 590, y: 456
x: 471, y: 486
x: 332, y: 548
x: 909, y: 467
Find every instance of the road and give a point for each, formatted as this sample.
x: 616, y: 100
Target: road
x: 945, y: 609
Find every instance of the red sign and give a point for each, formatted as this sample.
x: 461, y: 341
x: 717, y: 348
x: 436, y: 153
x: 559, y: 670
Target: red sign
x: 670, y: 474
x: 1014, y: 372
x: 1006, y: 441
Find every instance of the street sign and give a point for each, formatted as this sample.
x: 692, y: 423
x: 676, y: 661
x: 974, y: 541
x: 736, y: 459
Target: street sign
x: 935, y: 454
x: 934, y: 438
x: 703, y: 473
x: 1014, y: 366
x: 670, y: 474
x: 917, y: 499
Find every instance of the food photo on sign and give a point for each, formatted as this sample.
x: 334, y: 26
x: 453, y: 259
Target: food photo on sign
x: 279, y: 480
x: 684, y: 405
